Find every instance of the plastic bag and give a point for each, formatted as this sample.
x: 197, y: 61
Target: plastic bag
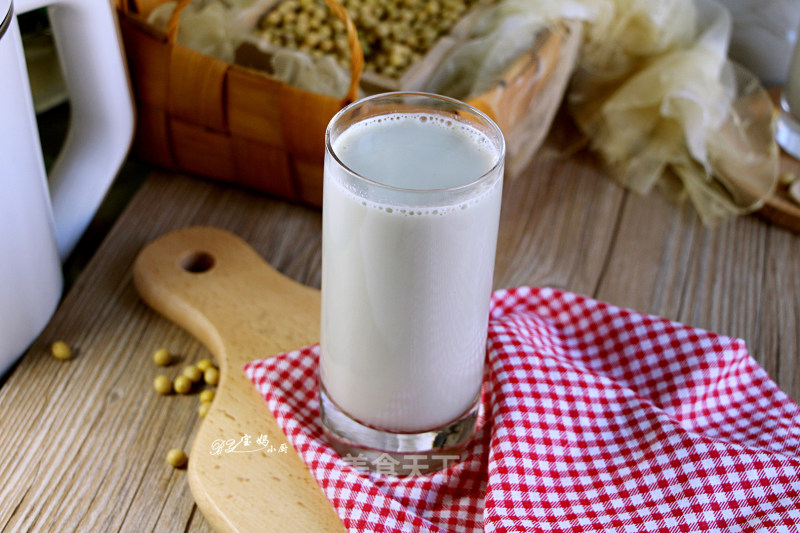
x: 505, y: 32
x: 321, y: 75
x: 204, y: 28
x: 676, y: 104
x: 218, y: 28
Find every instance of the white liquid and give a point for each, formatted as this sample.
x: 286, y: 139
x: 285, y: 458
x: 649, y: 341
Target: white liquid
x: 405, y: 289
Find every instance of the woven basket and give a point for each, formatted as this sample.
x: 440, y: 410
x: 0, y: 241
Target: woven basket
x: 227, y: 122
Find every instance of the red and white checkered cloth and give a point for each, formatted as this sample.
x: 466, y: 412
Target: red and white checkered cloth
x: 597, y: 419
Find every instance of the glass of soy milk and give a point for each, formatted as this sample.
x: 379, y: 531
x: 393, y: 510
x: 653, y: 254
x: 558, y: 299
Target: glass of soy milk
x: 411, y: 207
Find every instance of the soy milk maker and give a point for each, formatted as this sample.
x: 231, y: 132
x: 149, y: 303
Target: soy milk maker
x: 41, y: 219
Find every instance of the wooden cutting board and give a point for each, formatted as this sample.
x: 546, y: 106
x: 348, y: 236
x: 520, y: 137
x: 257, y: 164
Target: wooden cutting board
x: 215, y: 286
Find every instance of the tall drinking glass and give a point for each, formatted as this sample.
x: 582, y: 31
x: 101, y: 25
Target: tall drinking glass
x: 410, y: 214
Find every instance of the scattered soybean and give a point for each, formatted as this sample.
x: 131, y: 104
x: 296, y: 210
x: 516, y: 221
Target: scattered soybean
x: 207, y: 396
x: 183, y: 385
x: 211, y: 376
x: 204, y: 364
x: 177, y: 458
x: 193, y: 373
x: 162, y: 357
x: 61, y: 350
x: 163, y: 384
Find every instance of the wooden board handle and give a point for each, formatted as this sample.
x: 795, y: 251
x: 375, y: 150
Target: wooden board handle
x: 211, y: 283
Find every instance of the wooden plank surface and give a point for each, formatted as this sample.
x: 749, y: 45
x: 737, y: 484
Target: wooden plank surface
x: 85, y: 440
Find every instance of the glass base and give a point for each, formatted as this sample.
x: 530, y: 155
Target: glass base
x: 788, y: 131
x: 400, y: 454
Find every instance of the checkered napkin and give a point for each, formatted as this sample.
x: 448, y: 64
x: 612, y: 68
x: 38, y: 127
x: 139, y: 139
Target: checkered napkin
x: 596, y: 419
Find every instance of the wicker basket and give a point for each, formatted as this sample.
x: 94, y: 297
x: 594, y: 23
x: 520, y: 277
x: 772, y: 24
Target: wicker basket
x: 203, y: 116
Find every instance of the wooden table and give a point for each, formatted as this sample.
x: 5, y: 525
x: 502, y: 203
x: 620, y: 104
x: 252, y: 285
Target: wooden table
x: 85, y: 440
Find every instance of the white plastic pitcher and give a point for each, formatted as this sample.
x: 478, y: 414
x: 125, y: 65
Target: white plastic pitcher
x: 40, y: 224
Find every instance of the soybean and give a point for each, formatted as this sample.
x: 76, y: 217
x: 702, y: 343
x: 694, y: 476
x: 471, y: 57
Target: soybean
x: 163, y: 385
x: 183, y: 385
x: 207, y: 396
x: 211, y: 376
x: 61, y: 350
x: 193, y: 373
x: 382, y: 26
x: 177, y: 458
x: 204, y: 364
x: 162, y: 357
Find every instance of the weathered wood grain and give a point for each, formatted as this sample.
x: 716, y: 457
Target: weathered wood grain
x: 556, y: 225
x: 85, y: 439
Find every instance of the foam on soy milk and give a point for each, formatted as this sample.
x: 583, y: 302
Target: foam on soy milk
x: 429, y: 151
x: 406, y: 290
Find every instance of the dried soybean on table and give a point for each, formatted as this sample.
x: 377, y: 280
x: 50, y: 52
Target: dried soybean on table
x: 84, y: 441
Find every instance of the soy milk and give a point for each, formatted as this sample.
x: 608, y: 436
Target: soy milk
x: 406, y: 278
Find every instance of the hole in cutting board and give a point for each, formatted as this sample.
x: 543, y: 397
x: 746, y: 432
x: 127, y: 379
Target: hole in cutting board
x: 197, y: 262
